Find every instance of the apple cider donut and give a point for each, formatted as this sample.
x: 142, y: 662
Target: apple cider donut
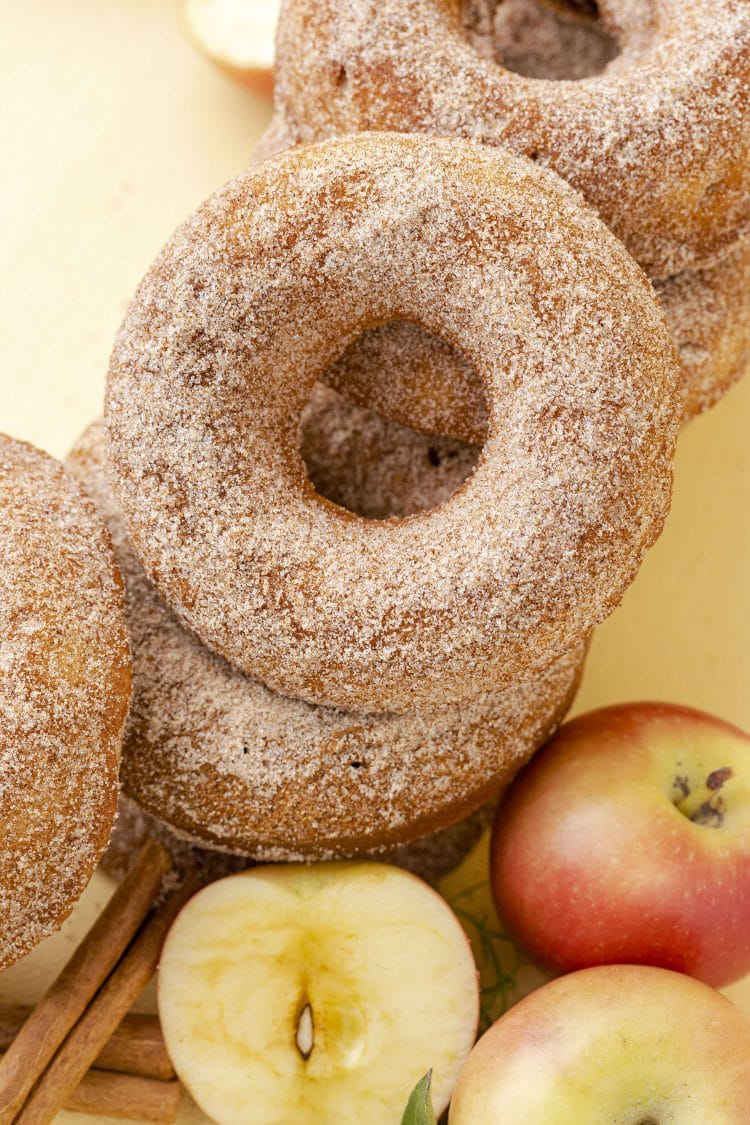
x: 708, y: 313
x: 228, y: 764
x: 261, y: 289
x: 659, y: 142
x: 431, y: 857
x: 64, y: 693
x: 410, y: 376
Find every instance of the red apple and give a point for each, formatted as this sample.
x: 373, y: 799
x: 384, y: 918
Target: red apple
x: 627, y: 839
x: 617, y: 1043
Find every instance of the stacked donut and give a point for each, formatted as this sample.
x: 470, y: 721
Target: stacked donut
x: 642, y: 105
x: 346, y: 634
x: 64, y: 693
x: 355, y: 612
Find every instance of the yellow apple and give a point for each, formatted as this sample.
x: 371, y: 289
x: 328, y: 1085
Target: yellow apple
x: 317, y: 994
x: 616, y: 1044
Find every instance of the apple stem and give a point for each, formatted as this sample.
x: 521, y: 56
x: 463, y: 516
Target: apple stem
x: 705, y: 805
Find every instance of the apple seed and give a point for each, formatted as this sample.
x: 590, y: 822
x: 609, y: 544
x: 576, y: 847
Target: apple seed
x: 305, y: 1038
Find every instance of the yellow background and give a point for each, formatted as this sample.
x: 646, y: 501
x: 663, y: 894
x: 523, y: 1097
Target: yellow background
x: 111, y: 130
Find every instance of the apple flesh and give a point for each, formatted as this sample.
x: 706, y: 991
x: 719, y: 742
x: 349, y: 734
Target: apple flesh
x: 622, y: 1044
x: 316, y: 994
x: 627, y: 839
x: 238, y: 35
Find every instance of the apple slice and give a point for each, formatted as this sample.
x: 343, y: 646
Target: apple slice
x: 238, y: 35
x: 622, y: 1044
x: 317, y: 993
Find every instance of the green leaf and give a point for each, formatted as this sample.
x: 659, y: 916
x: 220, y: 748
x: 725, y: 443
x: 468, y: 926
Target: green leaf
x: 419, y: 1106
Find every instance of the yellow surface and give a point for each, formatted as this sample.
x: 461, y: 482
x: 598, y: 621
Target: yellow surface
x: 112, y: 129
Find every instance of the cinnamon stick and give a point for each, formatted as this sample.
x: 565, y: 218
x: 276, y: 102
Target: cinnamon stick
x: 136, y: 1047
x: 104, y: 1013
x: 85, y: 972
x: 125, y: 1096
x: 132, y: 1096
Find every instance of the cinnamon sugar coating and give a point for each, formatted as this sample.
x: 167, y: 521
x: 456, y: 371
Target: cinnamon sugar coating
x: 431, y: 857
x: 228, y: 764
x: 708, y: 313
x: 406, y: 374
x: 261, y: 289
x: 64, y: 693
x: 659, y: 142
x: 409, y: 376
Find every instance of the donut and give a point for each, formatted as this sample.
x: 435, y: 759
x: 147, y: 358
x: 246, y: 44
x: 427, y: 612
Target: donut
x: 229, y: 764
x: 133, y: 827
x: 261, y: 289
x: 708, y: 312
x: 658, y: 142
x: 64, y: 694
x: 432, y: 857
x: 370, y: 466
x: 412, y: 377
x: 545, y: 39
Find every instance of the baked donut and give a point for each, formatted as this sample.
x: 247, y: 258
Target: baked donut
x: 64, y: 693
x: 659, y: 142
x: 432, y: 857
x: 708, y: 313
x: 258, y: 292
x: 410, y: 376
x: 229, y: 764
x: 544, y: 39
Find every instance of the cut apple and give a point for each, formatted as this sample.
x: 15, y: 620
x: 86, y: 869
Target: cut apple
x: 317, y: 993
x: 238, y: 35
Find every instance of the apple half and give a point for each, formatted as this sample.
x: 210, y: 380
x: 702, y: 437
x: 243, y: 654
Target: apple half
x: 627, y: 839
x: 317, y: 994
x: 622, y: 1044
x: 238, y: 35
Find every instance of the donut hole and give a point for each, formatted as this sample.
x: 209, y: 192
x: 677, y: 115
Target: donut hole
x: 559, y: 40
x: 375, y: 468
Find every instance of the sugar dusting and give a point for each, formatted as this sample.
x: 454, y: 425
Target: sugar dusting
x: 357, y: 459
x: 659, y: 142
x: 408, y: 375
x: 430, y: 857
x: 708, y: 313
x: 64, y: 690
x: 228, y: 763
x: 269, y: 281
x: 532, y: 38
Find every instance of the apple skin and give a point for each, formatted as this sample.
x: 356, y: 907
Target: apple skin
x: 592, y: 862
x: 616, y: 1043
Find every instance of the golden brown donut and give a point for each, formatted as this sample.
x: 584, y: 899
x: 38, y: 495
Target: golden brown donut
x: 411, y: 377
x: 708, y: 313
x: 406, y: 374
x: 544, y: 39
x: 260, y: 289
x: 659, y: 142
x: 229, y: 764
x: 64, y: 693
x: 431, y: 857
